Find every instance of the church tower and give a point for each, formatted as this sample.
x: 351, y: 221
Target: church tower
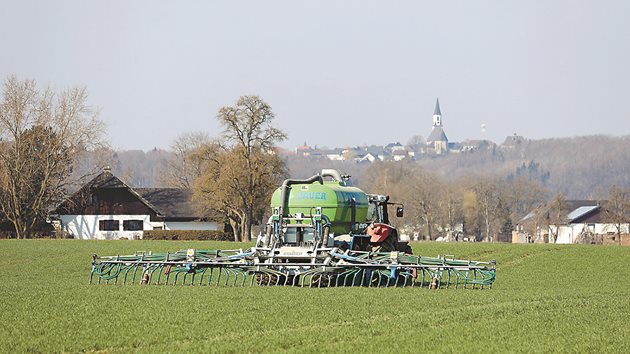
x: 437, y: 141
x: 437, y: 115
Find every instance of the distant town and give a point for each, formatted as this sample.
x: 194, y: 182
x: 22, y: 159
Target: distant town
x: 436, y: 144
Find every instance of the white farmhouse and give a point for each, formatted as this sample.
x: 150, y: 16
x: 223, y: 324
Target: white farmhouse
x: 582, y: 221
x: 107, y: 208
x: 585, y: 221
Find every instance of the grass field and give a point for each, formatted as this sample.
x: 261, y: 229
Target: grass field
x: 546, y: 298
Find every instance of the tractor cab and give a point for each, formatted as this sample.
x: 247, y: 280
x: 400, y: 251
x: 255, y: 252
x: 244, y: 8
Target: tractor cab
x: 379, y: 235
x: 378, y: 211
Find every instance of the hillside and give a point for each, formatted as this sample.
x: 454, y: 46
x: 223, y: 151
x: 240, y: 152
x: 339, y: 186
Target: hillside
x: 581, y: 167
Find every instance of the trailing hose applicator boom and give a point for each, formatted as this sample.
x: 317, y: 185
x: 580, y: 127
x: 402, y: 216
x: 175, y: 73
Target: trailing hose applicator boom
x: 322, y: 233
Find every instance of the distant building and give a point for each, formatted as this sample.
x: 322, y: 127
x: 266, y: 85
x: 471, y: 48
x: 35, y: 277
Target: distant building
x: 391, y: 147
x: 304, y: 150
x: 583, y: 221
x: 437, y: 142
x: 512, y: 141
x: 334, y: 154
x: 366, y: 157
x: 377, y: 151
x: 475, y: 145
x: 398, y: 155
x: 107, y: 208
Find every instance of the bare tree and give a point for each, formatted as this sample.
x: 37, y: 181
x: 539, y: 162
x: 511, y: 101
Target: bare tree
x: 522, y: 196
x: 184, y: 167
x: 450, y: 207
x: 488, y: 194
x: 42, y: 133
x: 220, y: 187
x: 424, y: 199
x: 617, y: 209
x: 416, y: 140
x: 393, y: 179
x: 470, y: 209
x: 390, y: 178
x: 246, y: 169
x: 556, y: 215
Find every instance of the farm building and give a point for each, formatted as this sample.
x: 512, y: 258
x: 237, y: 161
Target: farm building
x: 584, y: 221
x: 107, y: 208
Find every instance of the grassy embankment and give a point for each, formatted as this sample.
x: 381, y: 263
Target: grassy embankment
x: 546, y: 298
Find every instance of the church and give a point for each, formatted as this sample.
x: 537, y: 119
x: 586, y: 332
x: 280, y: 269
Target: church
x: 437, y: 142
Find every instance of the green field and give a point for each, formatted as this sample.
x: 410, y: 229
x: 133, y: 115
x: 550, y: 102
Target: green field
x: 546, y: 298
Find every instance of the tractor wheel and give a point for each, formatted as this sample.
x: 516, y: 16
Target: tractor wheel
x: 405, y: 248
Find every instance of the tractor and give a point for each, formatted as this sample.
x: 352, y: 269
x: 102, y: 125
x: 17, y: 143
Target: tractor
x: 322, y: 232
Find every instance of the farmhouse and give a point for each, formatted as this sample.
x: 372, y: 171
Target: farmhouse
x: 107, y: 208
x: 583, y: 221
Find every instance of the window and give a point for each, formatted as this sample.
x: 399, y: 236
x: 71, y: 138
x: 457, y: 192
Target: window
x: 133, y: 225
x: 108, y: 225
x: 158, y: 228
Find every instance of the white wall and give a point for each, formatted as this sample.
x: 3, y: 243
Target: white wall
x: 85, y: 227
x: 569, y: 233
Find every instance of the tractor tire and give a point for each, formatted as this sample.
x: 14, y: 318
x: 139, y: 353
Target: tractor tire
x: 405, y: 248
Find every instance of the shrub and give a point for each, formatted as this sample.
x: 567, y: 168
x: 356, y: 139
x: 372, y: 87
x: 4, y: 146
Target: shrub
x: 5, y: 234
x: 193, y: 235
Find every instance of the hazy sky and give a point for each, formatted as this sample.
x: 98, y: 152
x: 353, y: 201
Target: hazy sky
x: 337, y: 73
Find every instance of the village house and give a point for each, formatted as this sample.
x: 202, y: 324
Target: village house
x: 513, y: 141
x: 107, y: 208
x: 476, y: 145
x: 583, y: 221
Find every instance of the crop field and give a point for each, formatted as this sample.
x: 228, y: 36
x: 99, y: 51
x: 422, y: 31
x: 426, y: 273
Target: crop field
x: 546, y: 298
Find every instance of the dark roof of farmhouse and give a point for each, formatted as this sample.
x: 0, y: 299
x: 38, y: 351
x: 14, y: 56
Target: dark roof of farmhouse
x: 173, y: 203
x: 169, y: 202
x: 105, y: 180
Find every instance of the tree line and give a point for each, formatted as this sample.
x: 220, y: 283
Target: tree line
x: 52, y: 141
x: 43, y: 132
x: 480, y: 207
x: 235, y: 173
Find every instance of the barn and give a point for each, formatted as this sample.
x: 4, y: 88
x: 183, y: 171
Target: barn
x: 106, y: 208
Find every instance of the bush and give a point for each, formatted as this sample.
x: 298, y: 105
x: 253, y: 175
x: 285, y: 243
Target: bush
x: 5, y: 234
x: 192, y: 235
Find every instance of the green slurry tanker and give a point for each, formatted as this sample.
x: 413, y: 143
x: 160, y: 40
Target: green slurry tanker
x: 323, y: 232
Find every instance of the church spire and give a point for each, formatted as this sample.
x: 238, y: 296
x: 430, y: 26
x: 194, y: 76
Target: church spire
x: 437, y: 115
x: 437, y: 108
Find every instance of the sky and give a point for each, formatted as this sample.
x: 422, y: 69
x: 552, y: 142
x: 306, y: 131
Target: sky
x: 336, y: 73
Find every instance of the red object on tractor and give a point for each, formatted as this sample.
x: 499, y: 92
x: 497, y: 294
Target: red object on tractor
x: 379, y: 232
